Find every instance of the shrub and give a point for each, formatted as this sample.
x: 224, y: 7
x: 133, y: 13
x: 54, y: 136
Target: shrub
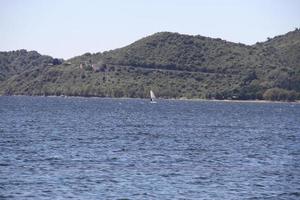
x: 278, y: 94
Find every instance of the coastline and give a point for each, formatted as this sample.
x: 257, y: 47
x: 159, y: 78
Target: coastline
x: 163, y: 99
x: 237, y: 101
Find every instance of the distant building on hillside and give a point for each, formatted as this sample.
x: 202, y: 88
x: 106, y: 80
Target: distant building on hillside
x: 97, y: 67
x: 67, y: 63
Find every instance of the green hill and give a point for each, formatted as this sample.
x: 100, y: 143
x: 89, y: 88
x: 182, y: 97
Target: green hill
x: 171, y: 64
x: 16, y: 62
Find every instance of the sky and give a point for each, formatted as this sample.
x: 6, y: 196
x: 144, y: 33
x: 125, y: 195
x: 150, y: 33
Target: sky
x: 67, y: 28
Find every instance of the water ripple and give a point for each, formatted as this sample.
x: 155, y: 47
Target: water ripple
x: 93, y: 148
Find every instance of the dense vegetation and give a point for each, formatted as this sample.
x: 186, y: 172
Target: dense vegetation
x: 16, y: 62
x: 171, y: 64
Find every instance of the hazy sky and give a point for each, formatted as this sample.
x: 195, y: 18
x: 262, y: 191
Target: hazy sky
x: 67, y: 28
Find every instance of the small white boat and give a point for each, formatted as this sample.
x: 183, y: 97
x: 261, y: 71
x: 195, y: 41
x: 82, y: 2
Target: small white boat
x: 152, y: 97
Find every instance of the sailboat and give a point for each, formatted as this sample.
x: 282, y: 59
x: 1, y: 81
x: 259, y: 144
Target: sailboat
x: 152, y: 97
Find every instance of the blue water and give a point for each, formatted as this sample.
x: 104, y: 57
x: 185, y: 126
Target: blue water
x: 93, y: 148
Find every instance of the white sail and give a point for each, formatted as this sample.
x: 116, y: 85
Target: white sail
x: 152, y: 95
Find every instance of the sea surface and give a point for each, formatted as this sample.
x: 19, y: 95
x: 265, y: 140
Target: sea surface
x: 99, y: 148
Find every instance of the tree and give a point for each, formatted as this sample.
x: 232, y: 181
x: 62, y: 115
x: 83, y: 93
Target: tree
x: 278, y: 94
x: 56, y: 61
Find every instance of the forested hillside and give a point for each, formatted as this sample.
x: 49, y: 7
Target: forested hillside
x: 171, y: 64
x: 16, y: 62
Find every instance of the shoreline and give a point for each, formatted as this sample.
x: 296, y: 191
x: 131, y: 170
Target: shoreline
x: 236, y: 101
x: 158, y: 99
x: 245, y: 101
